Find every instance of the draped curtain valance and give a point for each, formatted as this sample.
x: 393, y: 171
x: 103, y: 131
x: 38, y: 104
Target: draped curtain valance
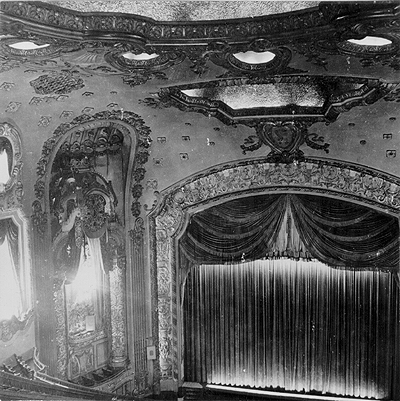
x: 10, y: 231
x: 336, y: 232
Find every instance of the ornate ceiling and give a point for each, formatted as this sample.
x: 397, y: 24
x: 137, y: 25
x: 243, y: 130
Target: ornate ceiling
x: 179, y: 10
x: 280, y: 69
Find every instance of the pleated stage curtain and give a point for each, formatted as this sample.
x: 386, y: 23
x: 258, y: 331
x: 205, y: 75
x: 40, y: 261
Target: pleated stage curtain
x: 291, y: 325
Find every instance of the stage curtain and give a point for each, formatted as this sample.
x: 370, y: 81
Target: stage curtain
x: 346, y: 234
x: 338, y: 233
x: 293, y: 326
x: 11, y: 297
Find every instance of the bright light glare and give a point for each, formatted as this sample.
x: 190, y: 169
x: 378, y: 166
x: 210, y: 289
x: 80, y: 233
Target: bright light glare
x: 371, y: 41
x: 275, y: 393
x: 10, y: 296
x: 140, y: 57
x: 255, y: 58
x: 4, y: 175
x: 84, y: 283
x: 27, y: 46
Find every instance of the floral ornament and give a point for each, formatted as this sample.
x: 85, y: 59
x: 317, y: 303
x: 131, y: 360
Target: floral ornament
x: 7, y: 86
x: 13, y: 107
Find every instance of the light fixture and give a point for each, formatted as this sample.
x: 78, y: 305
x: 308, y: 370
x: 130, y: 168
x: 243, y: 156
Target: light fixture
x: 140, y: 57
x: 251, y: 57
x: 27, y: 46
x: 371, y: 41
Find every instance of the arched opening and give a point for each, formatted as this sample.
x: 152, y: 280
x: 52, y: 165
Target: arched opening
x: 291, y: 292
x: 251, y: 57
x: 27, y: 45
x: 6, y: 161
x: 140, y: 57
x: 11, y: 276
x: 371, y: 41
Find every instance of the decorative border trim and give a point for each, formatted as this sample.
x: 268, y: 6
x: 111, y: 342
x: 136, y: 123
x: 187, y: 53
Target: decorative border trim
x: 326, y: 177
x: 50, y: 17
x: 138, y: 26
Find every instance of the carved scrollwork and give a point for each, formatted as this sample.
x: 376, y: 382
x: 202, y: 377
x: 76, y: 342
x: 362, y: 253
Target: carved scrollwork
x: 94, y: 123
x: 39, y: 218
x: 284, y: 138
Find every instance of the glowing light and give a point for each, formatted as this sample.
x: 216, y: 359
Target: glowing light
x: 27, y: 46
x: 10, y: 296
x: 255, y: 58
x: 371, y: 41
x: 286, y: 396
x: 140, y: 57
x: 4, y: 174
x: 84, y: 283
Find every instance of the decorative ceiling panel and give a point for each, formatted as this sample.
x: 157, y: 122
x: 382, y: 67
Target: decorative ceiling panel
x: 179, y: 10
x: 249, y: 100
x: 262, y: 95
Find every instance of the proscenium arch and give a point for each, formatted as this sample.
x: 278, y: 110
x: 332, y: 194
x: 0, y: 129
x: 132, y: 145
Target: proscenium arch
x: 315, y: 176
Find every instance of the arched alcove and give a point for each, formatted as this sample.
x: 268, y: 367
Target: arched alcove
x: 168, y: 221
x: 87, y: 194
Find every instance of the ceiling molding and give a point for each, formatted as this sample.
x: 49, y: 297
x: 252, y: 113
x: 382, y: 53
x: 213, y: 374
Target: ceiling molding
x: 50, y: 20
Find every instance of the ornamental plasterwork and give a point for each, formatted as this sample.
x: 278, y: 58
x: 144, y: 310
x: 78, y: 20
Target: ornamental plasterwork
x: 118, y: 324
x: 127, y: 122
x: 12, y: 191
x: 315, y: 176
x: 150, y: 29
x: 61, y: 329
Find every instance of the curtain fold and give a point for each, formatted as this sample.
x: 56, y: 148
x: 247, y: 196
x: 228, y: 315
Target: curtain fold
x: 338, y: 233
x: 10, y: 286
x: 291, y: 325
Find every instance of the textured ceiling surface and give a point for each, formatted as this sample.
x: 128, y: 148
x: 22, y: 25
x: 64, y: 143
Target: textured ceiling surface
x: 179, y: 10
x: 83, y: 72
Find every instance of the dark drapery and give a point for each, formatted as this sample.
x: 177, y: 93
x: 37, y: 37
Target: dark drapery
x: 10, y: 231
x: 335, y: 232
x: 294, y: 323
x: 291, y: 325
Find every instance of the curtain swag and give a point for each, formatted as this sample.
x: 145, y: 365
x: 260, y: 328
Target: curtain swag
x: 338, y: 233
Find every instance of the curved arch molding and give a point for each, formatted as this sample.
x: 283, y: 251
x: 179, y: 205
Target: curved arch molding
x: 128, y: 122
x: 316, y: 176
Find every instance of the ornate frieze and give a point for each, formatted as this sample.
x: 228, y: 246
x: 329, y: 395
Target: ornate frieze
x: 145, y: 28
